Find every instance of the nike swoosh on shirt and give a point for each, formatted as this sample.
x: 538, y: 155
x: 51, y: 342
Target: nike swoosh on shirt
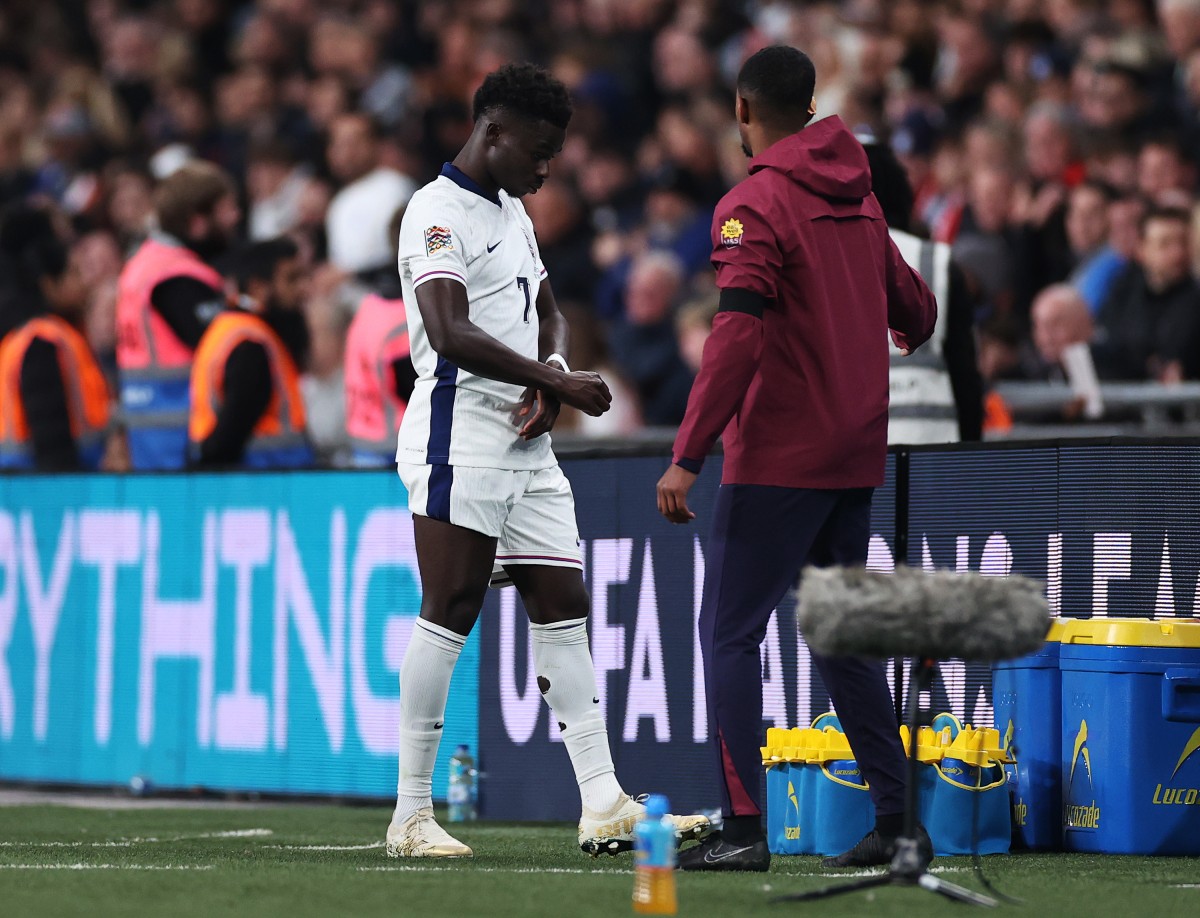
x: 438, y: 725
x: 714, y: 858
x: 492, y: 248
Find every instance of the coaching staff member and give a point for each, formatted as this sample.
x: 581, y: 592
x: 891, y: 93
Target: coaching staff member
x: 796, y: 376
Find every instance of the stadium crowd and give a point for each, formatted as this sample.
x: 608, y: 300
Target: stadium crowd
x: 1054, y: 144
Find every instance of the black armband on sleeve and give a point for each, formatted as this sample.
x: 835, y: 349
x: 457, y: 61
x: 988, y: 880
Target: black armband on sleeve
x: 739, y: 299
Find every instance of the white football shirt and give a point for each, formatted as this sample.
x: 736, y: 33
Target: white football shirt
x: 453, y: 229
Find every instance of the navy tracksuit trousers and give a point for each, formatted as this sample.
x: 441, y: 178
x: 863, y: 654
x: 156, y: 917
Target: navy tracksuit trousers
x: 762, y: 537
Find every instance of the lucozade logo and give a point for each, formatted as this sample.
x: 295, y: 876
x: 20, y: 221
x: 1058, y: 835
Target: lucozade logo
x: 1080, y: 810
x: 791, y: 828
x: 1192, y: 746
x: 1185, y: 796
x: 1020, y: 809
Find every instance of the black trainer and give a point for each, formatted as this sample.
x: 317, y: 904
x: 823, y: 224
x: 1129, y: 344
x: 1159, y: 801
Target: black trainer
x: 874, y: 850
x: 714, y: 853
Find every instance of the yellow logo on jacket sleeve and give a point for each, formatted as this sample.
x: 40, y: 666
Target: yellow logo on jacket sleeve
x: 731, y: 232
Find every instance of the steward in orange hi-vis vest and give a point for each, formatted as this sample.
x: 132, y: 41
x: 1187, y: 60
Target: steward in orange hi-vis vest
x: 83, y: 382
x: 278, y: 439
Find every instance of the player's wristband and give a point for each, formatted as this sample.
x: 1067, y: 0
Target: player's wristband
x: 560, y: 360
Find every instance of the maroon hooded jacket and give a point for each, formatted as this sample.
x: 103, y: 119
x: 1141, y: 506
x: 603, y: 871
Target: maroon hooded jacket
x: 801, y: 393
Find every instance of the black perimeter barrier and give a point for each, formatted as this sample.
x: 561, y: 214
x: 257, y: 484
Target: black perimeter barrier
x: 1111, y: 525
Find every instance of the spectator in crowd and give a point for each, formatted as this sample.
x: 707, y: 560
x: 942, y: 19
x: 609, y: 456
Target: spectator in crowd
x: 1124, y: 225
x: 589, y: 351
x: 1115, y: 99
x: 644, y: 344
x: 1097, y: 264
x: 357, y: 223
x: 167, y: 294
x: 1164, y: 175
x: 987, y: 244
x: 99, y: 257
x: 1060, y: 317
x: 275, y: 185
x: 246, y: 406
x: 1149, y: 327
x: 693, y: 325
x: 564, y: 239
x: 1180, y: 23
x: 129, y: 205
x: 54, y: 401
x: 1053, y: 167
x: 319, y: 115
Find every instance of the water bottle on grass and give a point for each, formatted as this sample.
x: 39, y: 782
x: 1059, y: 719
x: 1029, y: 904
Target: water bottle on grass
x: 654, y: 845
x: 461, y: 794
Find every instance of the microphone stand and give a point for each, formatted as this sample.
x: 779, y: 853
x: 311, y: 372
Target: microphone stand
x: 908, y: 867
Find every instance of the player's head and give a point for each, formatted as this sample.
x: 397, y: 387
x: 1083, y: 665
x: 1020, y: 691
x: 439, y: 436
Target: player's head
x: 521, y: 113
x: 774, y: 95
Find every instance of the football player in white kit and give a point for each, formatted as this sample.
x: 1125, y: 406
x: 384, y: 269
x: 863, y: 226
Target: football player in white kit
x: 489, y: 502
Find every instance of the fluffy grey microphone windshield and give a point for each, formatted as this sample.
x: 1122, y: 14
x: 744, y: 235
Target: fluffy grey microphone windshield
x: 911, y: 613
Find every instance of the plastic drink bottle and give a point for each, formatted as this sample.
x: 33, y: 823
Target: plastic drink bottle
x: 460, y: 795
x: 654, y: 845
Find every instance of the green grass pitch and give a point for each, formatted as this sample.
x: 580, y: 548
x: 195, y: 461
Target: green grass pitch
x: 325, y: 860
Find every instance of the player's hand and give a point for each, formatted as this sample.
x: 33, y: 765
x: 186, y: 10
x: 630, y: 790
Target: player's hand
x: 673, y: 490
x: 584, y: 390
x: 541, y: 409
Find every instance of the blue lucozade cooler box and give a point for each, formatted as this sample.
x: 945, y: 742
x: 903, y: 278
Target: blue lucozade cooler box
x: 1131, y: 736
x: 1027, y: 699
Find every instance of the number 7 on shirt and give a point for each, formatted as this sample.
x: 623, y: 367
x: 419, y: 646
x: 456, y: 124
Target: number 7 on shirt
x: 523, y: 283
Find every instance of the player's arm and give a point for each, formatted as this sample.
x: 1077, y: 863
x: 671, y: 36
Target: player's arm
x: 445, y: 313
x: 912, y: 310
x: 747, y: 258
x: 554, y: 335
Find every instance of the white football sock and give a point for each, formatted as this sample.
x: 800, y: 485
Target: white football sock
x: 424, y: 686
x: 568, y: 683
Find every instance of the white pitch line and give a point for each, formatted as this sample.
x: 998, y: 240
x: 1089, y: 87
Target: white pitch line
x: 62, y: 844
x: 233, y: 833
x: 130, y: 842
x: 421, y: 868
x: 106, y: 867
x: 377, y: 844
x: 1185, y: 885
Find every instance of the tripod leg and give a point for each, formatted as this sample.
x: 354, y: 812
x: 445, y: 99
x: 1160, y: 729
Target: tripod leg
x: 882, y: 879
x: 958, y: 893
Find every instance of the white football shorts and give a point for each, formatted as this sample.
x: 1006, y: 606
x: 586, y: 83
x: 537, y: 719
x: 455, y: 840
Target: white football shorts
x: 531, y: 513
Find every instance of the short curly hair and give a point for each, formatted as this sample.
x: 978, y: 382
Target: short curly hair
x: 524, y: 89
